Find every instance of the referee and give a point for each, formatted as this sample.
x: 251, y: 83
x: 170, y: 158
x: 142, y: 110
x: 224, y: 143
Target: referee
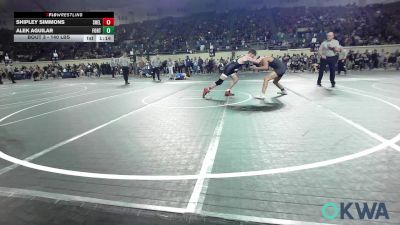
x: 328, y: 52
x: 124, y: 63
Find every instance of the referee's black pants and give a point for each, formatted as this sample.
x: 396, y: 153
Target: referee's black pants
x: 125, y: 72
x: 11, y: 76
x: 156, y: 71
x: 331, y: 62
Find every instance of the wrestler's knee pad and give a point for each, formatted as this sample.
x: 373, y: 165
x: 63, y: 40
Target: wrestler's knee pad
x: 219, y: 82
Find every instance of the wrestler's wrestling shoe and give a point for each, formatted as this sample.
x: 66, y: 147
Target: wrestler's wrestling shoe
x: 229, y: 93
x: 283, y: 92
x: 260, y: 96
x: 205, y: 92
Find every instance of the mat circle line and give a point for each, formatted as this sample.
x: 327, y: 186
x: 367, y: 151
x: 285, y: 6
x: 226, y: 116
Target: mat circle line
x: 288, y: 169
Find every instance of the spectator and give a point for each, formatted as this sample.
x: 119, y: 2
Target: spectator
x: 156, y: 65
x: 293, y: 27
x: 342, y: 62
x: 170, y: 66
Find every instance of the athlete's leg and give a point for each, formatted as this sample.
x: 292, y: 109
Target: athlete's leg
x: 218, y: 82
x: 276, y: 82
x: 215, y: 84
x: 235, y: 79
x: 267, y: 79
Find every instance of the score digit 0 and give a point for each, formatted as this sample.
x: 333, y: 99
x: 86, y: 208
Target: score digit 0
x: 108, y: 21
x: 108, y: 30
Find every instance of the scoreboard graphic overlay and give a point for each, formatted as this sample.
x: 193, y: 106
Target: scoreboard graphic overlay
x: 63, y: 26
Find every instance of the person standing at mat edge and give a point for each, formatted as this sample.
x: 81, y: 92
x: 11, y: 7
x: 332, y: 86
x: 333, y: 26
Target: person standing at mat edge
x: 10, y: 73
x: 113, y: 65
x: 328, y: 52
x: 124, y: 63
x: 156, y: 64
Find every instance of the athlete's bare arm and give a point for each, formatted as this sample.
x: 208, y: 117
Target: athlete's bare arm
x: 247, y: 58
x: 263, y: 64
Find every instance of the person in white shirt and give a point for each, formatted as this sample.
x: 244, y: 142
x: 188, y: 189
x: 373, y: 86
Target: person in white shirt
x: 10, y: 73
x: 113, y: 65
x: 170, y: 66
x: 156, y: 64
x: 124, y: 63
x: 328, y: 52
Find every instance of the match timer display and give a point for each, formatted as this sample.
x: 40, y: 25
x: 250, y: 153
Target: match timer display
x: 64, y: 26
